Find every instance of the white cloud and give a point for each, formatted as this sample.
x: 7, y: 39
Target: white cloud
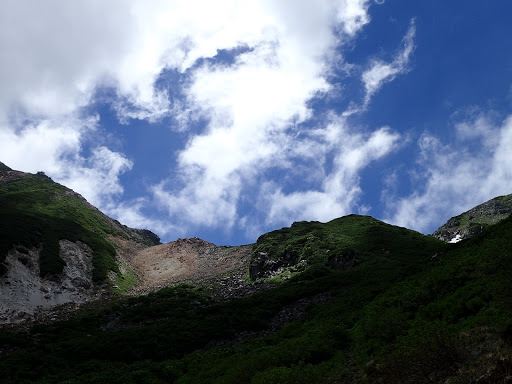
x: 61, y: 53
x: 131, y: 213
x: 56, y: 55
x: 96, y: 178
x: 40, y: 146
x: 480, y: 127
x: 54, y: 146
x: 381, y: 72
x: 55, y: 51
x: 456, y: 176
x: 255, y: 105
x: 340, y: 189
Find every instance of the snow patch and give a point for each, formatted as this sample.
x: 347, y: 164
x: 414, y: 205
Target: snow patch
x: 456, y: 239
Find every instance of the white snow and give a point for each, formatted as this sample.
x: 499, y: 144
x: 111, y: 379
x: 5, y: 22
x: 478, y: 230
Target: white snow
x: 456, y: 239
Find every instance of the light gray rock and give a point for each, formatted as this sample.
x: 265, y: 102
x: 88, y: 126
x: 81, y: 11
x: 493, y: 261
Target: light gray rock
x: 23, y: 291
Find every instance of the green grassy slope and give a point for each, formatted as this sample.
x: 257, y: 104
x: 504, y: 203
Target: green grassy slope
x: 35, y: 211
x: 360, y: 237
x: 473, y: 221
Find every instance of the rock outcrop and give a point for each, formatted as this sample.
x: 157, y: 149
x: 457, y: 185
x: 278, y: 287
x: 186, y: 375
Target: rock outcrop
x: 24, y: 293
x: 473, y: 222
x: 4, y: 168
x: 264, y: 267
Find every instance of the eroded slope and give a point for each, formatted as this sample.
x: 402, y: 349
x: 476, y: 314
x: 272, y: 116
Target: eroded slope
x: 186, y: 260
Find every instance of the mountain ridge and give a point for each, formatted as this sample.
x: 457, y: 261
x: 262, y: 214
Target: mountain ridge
x: 55, y: 247
x: 352, y: 300
x: 134, y: 261
x: 473, y: 221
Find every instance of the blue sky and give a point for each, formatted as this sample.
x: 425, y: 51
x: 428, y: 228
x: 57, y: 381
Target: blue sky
x: 227, y: 119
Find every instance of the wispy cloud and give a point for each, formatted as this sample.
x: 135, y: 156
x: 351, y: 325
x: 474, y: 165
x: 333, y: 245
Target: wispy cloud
x: 339, y: 192
x: 457, y: 176
x: 381, y: 72
x: 133, y: 213
x: 97, y: 177
x: 255, y: 108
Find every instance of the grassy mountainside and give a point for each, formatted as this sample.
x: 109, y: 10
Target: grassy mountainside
x: 37, y: 212
x: 472, y: 222
x: 341, y: 243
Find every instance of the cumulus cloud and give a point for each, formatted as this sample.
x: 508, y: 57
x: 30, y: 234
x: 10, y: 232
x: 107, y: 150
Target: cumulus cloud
x: 457, y: 176
x: 55, y: 51
x: 255, y: 106
x: 40, y: 145
x: 57, y: 55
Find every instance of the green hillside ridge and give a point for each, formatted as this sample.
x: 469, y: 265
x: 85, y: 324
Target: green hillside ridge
x: 398, y: 317
x: 341, y: 243
x: 37, y: 212
x: 473, y: 221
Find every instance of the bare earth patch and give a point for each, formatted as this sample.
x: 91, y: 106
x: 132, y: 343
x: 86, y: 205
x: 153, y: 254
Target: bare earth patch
x: 185, y: 260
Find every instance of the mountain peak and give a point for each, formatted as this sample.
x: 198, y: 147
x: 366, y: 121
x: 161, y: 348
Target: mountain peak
x: 472, y: 222
x: 57, y: 244
x: 4, y: 168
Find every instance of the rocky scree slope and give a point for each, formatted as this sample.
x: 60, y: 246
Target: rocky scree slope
x: 55, y: 247
x: 472, y: 222
x: 191, y: 260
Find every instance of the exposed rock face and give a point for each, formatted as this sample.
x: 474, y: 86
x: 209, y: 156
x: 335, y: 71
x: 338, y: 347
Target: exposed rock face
x: 343, y: 261
x: 24, y: 292
x: 472, y: 222
x: 7, y: 174
x: 264, y: 267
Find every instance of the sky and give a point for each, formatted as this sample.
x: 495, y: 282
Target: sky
x: 228, y: 119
